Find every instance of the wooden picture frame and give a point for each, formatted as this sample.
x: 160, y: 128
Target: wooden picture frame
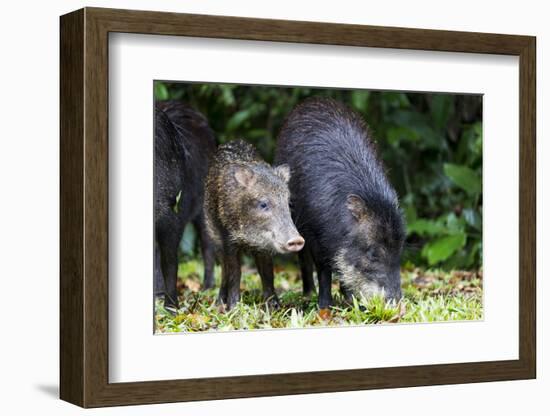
x: 84, y: 207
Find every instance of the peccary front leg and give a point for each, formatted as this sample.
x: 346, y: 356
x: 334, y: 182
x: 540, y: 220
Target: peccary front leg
x: 264, y: 263
x: 346, y: 293
x: 208, y: 253
x: 168, y: 246
x: 158, y: 286
x: 306, y: 271
x: 231, y: 278
x: 324, y: 275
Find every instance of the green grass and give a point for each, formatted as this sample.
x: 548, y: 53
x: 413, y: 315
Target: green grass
x: 428, y: 296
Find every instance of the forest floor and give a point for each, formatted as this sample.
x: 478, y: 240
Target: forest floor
x: 428, y: 296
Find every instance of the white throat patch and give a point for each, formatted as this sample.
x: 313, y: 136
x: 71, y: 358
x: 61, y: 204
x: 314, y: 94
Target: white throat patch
x: 352, y: 278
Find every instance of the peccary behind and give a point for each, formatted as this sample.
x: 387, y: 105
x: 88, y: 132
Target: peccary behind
x: 246, y: 209
x: 184, y: 143
x: 343, y: 204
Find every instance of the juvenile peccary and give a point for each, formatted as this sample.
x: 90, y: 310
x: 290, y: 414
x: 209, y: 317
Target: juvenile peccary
x: 184, y: 144
x: 246, y: 208
x: 343, y: 204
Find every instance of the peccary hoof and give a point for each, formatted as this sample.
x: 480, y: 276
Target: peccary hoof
x: 347, y: 294
x: 171, y: 308
x: 226, y: 305
x: 220, y: 303
x: 325, y: 314
x: 348, y: 301
x: 171, y: 304
x: 307, y: 294
x: 273, y: 302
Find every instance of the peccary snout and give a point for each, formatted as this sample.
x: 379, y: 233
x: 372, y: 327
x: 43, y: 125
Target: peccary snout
x: 286, y: 238
x: 294, y: 244
x: 394, y: 293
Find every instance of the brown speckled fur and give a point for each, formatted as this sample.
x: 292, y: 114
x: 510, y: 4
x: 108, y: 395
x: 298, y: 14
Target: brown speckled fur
x: 237, y: 182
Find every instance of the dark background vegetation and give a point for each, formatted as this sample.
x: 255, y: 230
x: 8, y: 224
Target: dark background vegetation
x: 431, y: 145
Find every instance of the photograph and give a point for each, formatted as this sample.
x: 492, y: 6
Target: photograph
x: 281, y: 207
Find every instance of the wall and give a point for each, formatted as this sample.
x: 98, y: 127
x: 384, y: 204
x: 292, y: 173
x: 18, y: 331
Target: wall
x: 29, y: 220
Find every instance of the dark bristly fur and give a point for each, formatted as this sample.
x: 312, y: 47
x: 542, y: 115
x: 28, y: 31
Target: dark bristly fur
x: 343, y: 204
x: 246, y: 209
x: 184, y: 143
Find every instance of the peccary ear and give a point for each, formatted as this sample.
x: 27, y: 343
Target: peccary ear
x: 244, y: 176
x: 283, y: 172
x: 356, y: 206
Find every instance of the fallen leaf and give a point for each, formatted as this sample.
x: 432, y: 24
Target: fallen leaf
x: 284, y: 285
x: 192, y: 285
x: 402, y: 309
x: 424, y: 281
x: 198, y: 320
x: 325, y: 314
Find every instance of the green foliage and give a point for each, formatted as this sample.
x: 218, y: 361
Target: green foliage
x: 161, y: 91
x: 431, y: 145
x: 464, y: 177
x: 442, y: 248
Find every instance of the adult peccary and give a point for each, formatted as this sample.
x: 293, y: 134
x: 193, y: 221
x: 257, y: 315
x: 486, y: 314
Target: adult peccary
x: 246, y: 208
x: 342, y: 201
x: 184, y: 144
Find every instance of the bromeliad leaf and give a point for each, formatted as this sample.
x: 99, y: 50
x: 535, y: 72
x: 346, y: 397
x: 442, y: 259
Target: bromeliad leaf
x: 396, y: 134
x: 441, y: 108
x: 360, y: 100
x: 464, y: 177
x: 472, y: 217
x: 443, y: 248
x: 242, y: 117
x: 454, y: 223
x: 176, y: 206
x: 426, y: 227
x: 238, y: 119
x: 227, y: 94
x: 161, y: 92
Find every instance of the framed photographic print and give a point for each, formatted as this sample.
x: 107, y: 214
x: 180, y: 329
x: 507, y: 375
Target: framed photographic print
x: 255, y: 207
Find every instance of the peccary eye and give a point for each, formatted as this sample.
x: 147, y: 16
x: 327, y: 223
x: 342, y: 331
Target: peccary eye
x: 372, y: 253
x: 263, y: 205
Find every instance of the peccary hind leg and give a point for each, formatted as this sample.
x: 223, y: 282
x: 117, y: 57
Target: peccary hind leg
x: 159, y: 279
x: 169, y: 265
x: 306, y: 269
x: 264, y: 263
x: 324, y: 274
x: 208, y: 254
x: 231, y: 278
